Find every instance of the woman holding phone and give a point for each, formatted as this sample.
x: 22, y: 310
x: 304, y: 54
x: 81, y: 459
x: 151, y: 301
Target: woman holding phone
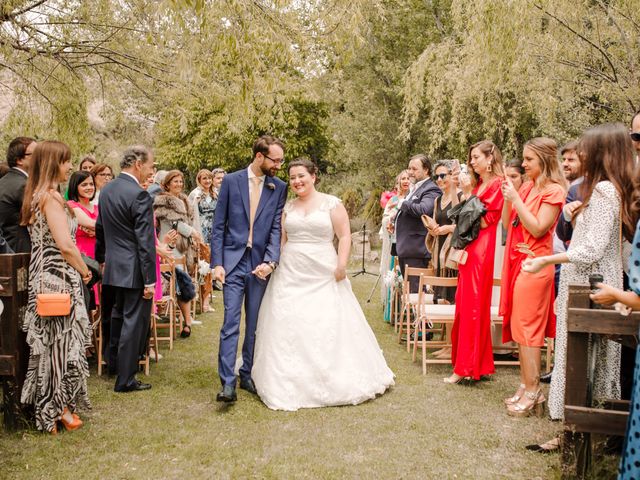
x: 472, y: 354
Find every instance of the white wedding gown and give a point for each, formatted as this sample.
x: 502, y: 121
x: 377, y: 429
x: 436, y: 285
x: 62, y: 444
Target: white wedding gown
x: 314, y: 347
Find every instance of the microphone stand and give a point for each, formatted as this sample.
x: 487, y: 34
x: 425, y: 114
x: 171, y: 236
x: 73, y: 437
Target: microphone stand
x: 363, y: 269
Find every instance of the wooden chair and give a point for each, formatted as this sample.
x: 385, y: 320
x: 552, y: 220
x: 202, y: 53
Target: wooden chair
x: 167, y: 306
x: 96, y: 327
x: 427, y: 314
x: 410, y: 302
x: 430, y: 314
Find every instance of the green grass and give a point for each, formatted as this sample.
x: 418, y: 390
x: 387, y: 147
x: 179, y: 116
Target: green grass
x: 422, y: 428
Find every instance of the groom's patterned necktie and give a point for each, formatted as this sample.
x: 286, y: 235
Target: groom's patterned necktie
x: 254, y: 199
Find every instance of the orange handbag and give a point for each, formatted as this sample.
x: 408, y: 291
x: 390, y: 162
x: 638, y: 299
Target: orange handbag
x: 52, y: 304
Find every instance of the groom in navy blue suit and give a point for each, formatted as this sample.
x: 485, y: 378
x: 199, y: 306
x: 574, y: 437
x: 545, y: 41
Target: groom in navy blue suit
x: 245, y: 250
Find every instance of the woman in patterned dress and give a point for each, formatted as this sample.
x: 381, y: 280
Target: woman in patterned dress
x: 601, y: 222
x: 56, y: 380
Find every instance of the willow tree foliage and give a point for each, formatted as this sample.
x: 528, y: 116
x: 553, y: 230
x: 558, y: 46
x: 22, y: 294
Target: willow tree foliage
x: 510, y: 70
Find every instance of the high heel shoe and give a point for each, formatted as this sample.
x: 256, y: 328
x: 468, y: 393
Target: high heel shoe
x: 454, y: 379
x: 75, y: 422
x: 535, y: 408
x: 516, y: 396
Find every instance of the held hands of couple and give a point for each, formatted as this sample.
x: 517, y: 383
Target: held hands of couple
x: 263, y: 270
x: 148, y: 292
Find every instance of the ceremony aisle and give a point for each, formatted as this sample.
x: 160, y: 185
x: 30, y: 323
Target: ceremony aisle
x: 422, y: 428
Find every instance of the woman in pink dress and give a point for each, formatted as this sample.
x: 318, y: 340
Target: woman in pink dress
x: 81, y: 192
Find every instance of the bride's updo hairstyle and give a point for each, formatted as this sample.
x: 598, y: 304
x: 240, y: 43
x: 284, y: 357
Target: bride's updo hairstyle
x: 309, y: 165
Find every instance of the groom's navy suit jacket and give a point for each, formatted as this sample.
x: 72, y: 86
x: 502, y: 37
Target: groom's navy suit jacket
x: 231, y: 222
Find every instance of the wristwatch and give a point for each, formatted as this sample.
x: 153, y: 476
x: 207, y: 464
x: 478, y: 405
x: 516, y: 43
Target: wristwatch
x: 273, y: 266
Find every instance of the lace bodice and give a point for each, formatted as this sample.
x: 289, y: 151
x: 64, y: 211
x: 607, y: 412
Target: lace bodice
x: 314, y: 227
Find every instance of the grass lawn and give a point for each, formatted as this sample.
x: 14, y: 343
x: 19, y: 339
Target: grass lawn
x: 422, y: 428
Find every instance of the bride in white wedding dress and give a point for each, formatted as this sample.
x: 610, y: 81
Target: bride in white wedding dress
x: 314, y: 347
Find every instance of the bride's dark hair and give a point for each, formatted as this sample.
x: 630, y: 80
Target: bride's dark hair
x: 309, y: 165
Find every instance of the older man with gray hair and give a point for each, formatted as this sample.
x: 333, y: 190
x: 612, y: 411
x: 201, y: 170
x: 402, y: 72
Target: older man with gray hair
x: 125, y: 244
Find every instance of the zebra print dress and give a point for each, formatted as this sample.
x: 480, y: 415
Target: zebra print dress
x: 58, y: 369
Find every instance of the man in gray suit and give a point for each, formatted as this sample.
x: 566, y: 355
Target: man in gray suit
x: 125, y: 244
x: 12, y: 192
x: 410, y: 231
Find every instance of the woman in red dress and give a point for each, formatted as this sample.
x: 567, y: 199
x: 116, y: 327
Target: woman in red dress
x: 472, y: 354
x: 526, y: 300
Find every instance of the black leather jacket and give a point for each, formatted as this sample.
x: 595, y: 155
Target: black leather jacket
x: 467, y: 216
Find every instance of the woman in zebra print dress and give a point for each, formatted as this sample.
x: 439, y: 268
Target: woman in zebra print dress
x: 56, y: 380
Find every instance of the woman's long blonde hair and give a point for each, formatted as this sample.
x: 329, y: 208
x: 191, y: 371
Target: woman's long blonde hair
x: 205, y: 173
x: 546, y: 149
x: 44, y: 175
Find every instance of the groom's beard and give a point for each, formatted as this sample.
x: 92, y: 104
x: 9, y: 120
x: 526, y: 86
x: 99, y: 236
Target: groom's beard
x: 269, y: 172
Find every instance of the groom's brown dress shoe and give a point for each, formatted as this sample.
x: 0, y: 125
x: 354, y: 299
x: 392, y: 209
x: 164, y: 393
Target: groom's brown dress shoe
x: 248, y: 385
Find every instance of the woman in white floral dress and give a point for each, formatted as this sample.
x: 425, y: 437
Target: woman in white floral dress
x: 607, y: 164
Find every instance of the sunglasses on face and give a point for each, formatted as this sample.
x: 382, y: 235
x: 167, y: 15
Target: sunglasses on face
x: 440, y: 176
x: 635, y: 136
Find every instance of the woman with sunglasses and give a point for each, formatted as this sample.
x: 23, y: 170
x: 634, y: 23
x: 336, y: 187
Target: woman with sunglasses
x: 526, y: 301
x: 440, y: 232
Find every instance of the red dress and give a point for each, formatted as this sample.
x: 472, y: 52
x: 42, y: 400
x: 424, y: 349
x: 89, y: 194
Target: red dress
x: 472, y: 354
x: 526, y: 299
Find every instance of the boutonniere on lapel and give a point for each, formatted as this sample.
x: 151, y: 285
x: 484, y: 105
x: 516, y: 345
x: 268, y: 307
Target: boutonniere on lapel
x: 270, y: 186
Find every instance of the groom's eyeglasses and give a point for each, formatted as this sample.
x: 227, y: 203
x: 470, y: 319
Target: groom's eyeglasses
x: 274, y: 160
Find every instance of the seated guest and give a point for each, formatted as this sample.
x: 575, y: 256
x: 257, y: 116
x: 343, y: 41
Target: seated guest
x: 56, y: 380
x: 102, y: 174
x: 81, y: 191
x: 12, y: 191
x: 173, y: 212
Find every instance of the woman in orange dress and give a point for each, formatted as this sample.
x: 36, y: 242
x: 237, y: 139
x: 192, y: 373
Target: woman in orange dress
x: 526, y: 299
x: 471, y: 352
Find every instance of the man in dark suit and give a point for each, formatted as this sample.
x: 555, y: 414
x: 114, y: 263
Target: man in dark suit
x: 125, y: 243
x: 12, y: 193
x: 410, y: 231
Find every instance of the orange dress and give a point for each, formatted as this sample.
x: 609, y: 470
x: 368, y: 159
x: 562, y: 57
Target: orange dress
x: 526, y: 299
